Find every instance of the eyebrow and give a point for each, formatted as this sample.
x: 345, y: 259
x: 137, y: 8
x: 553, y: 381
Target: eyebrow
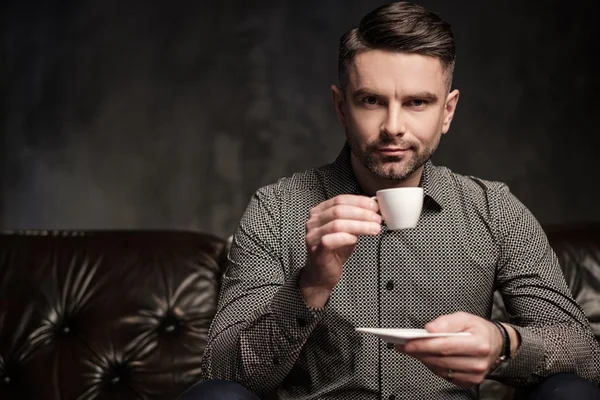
x: 363, y: 91
x: 366, y: 92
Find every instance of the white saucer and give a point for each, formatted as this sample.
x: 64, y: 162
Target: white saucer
x: 400, y: 336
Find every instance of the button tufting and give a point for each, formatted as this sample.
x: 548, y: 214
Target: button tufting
x: 7, y: 379
x: 117, y: 374
x: 170, y: 322
x: 61, y: 329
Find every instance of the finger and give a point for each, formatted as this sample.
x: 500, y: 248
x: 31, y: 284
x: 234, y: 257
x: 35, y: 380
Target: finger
x: 356, y: 228
x: 342, y: 241
x: 346, y: 251
x: 473, y: 346
x: 339, y: 240
x: 457, y: 322
x: 347, y: 199
x: 467, y: 365
x: 343, y: 212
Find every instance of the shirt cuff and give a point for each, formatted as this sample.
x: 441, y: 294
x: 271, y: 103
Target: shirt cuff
x: 526, y: 361
x: 296, y: 319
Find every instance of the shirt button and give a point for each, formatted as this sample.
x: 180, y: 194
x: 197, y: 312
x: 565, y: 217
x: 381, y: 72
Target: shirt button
x: 301, y: 322
x: 391, y: 397
x: 390, y: 346
x: 389, y: 285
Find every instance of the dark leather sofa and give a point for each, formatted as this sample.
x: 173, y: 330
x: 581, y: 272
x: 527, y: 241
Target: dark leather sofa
x: 125, y: 314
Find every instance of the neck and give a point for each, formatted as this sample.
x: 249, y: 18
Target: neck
x: 370, y: 183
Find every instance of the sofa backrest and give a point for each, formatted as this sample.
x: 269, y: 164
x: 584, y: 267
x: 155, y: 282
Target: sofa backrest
x: 578, y: 250
x: 125, y: 314
x: 105, y: 315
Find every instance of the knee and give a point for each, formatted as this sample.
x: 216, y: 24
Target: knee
x: 565, y: 387
x: 218, y: 389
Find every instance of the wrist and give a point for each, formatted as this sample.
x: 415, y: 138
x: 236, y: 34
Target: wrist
x: 515, y: 339
x: 503, y: 350
x: 315, y: 296
x: 509, y: 340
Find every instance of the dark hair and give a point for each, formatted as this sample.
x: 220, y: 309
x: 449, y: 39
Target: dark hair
x: 399, y: 27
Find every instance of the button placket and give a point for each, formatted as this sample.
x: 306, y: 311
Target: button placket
x: 392, y: 310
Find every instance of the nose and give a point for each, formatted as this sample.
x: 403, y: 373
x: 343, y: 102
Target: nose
x: 394, y: 123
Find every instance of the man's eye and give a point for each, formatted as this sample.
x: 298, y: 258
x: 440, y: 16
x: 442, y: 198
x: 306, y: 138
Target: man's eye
x: 370, y: 100
x: 418, y: 103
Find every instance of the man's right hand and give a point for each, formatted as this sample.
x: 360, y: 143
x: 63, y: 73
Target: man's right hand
x: 332, y: 232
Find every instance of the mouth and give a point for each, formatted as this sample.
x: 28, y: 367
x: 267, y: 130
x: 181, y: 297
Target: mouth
x: 393, y: 151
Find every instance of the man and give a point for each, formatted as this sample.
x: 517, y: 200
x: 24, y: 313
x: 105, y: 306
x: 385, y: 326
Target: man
x: 312, y: 259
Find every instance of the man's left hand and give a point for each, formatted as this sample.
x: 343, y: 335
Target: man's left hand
x: 463, y: 360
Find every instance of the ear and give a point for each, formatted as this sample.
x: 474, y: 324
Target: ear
x: 339, y: 100
x: 449, y: 109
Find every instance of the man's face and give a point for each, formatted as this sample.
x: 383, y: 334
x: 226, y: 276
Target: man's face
x: 394, y: 108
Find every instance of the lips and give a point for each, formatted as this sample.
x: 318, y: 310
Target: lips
x: 392, y: 151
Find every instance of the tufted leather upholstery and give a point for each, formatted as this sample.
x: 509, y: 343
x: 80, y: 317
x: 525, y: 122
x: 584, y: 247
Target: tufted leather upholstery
x: 124, y: 314
x: 578, y: 250
x: 105, y: 315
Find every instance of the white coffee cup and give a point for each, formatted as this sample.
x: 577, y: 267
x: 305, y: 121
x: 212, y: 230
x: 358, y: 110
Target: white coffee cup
x: 400, y: 207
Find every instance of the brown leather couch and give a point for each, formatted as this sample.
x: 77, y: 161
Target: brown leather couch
x: 125, y: 314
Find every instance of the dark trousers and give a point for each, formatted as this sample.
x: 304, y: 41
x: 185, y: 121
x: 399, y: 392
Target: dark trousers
x: 218, y: 390
x: 557, y: 387
x: 560, y: 387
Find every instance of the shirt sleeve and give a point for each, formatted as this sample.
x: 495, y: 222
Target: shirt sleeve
x: 262, y: 321
x: 555, y: 333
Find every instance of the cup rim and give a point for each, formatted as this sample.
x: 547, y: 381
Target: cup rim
x: 412, y: 188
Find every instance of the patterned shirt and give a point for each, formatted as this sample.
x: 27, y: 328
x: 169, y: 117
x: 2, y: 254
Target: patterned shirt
x: 473, y: 237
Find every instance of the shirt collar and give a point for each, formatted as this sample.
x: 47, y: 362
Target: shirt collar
x: 434, y: 185
x: 339, y: 179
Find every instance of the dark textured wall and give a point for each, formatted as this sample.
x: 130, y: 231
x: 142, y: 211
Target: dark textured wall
x: 153, y: 114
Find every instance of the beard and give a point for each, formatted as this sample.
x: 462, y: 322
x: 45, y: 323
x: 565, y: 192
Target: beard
x: 391, y: 167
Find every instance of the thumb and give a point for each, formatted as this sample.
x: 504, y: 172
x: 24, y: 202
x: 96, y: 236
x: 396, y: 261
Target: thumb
x: 457, y: 322
x: 345, y: 252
